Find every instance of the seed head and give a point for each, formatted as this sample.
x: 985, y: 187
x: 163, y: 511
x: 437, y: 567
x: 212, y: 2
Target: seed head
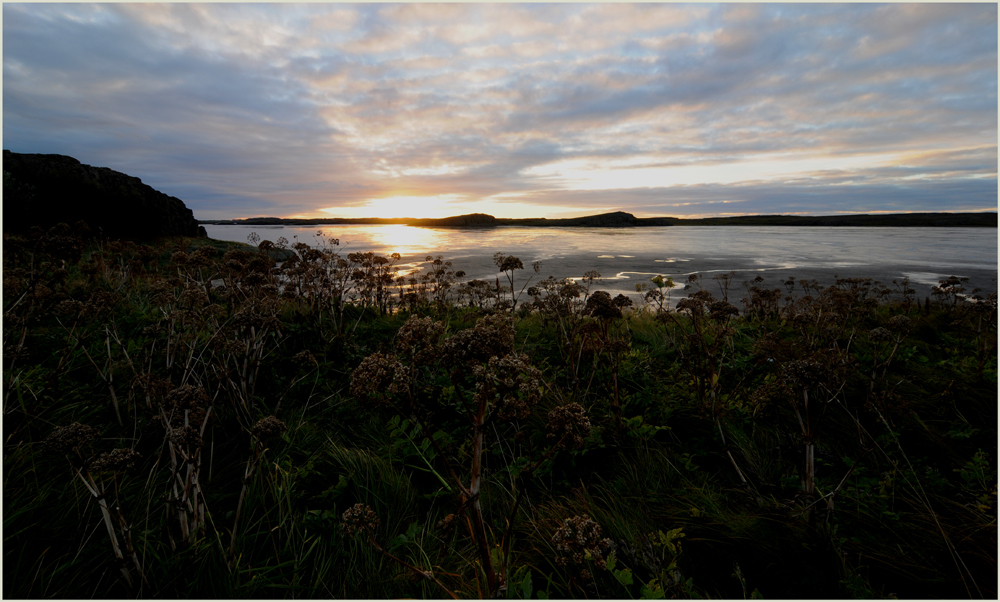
x: 511, y: 383
x: 721, y: 310
x: 804, y: 373
x: 72, y: 437
x: 265, y: 428
x: 116, y: 460
x: 900, y: 323
x: 492, y: 336
x: 186, y: 436
x: 879, y: 334
x: 600, y: 305
x: 360, y: 518
x: 577, y: 537
x: 418, y: 338
x: 379, y: 378
x: 568, y: 425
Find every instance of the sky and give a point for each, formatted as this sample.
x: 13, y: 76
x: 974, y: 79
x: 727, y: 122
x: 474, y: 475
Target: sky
x: 516, y: 110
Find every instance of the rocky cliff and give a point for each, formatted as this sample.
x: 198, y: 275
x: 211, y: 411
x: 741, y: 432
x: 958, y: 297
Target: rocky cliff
x: 43, y: 190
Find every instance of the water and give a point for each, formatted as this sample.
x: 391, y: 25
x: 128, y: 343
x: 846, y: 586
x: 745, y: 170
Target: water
x: 627, y: 256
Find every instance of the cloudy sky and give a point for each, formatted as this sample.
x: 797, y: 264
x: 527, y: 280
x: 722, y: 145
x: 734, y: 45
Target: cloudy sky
x: 517, y: 110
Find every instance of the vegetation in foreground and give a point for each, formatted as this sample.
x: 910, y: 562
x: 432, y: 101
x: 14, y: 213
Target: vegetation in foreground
x: 190, y: 419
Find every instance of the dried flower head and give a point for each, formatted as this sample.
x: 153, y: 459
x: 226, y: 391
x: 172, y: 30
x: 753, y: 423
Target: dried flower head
x: 601, y: 306
x: 511, y: 384
x: 116, y: 460
x: 268, y: 427
x: 579, y: 537
x: 360, y: 518
x: 568, y: 425
x: 187, y: 401
x: 692, y: 305
x: 507, y: 263
x: 186, y: 397
x: 70, y: 438
x: 492, y: 336
x: 879, y: 334
x: 304, y: 357
x: 900, y: 323
x: 722, y: 310
x: 68, y: 308
x: 379, y: 378
x: 804, y: 373
x: 418, y: 338
x: 186, y: 436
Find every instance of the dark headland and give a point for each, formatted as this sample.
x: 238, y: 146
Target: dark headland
x: 43, y: 190
x: 620, y: 219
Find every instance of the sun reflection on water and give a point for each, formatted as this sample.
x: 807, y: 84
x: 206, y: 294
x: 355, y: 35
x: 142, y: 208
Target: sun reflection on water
x: 405, y: 240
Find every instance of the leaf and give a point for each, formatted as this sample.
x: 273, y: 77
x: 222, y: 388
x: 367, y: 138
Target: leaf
x: 526, y: 586
x: 624, y: 576
x: 652, y: 591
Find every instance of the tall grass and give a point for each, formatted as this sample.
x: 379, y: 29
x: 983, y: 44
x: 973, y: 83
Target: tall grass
x: 806, y: 440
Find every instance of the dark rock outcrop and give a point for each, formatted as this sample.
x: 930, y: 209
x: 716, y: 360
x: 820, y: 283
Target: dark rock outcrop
x: 43, y: 190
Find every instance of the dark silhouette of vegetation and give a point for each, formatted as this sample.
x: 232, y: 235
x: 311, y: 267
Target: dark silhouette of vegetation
x: 196, y: 418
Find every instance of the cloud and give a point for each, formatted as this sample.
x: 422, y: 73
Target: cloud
x: 288, y: 109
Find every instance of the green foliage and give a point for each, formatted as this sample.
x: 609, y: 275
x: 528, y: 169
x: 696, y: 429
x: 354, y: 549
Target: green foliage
x: 814, y: 441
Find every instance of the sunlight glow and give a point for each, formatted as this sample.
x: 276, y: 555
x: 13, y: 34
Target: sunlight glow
x: 587, y: 174
x: 507, y: 205
x: 405, y: 240
x: 442, y: 205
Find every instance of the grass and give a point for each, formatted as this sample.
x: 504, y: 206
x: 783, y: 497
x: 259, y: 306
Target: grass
x: 693, y: 463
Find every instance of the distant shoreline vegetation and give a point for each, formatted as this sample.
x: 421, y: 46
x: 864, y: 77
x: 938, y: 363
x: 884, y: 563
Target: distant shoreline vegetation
x: 621, y: 219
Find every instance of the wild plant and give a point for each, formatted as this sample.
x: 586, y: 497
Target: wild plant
x: 100, y: 474
x: 761, y: 303
x: 361, y: 521
x: 608, y: 311
x: 263, y: 430
x: 823, y: 375
x: 239, y: 348
x: 479, y: 294
x: 491, y: 386
x: 373, y: 277
x: 580, y: 538
x: 657, y: 298
x: 245, y: 273
x: 184, y: 414
x: 905, y: 291
x: 724, y: 280
x: 561, y: 302
x: 950, y: 291
x: 705, y: 349
x: 507, y: 264
x: 320, y: 278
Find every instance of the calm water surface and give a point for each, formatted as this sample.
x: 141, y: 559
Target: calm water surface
x: 626, y: 256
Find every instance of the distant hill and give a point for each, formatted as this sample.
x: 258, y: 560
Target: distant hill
x: 620, y: 219
x: 931, y: 220
x: 43, y: 190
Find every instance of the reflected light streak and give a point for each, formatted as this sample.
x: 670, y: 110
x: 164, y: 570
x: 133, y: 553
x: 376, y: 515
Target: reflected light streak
x: 405, y: 240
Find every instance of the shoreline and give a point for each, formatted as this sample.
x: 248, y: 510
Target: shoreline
x: 627, y: 220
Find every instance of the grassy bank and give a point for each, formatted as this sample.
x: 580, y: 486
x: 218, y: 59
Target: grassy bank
x: 328, y: 429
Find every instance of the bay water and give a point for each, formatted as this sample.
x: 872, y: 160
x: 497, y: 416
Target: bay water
x: 628, y: 256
